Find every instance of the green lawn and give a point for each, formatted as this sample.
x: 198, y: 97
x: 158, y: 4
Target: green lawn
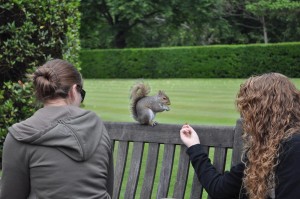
x: 196, y: 101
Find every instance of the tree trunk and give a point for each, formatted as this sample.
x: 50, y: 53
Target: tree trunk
x: 264, y: 29
x: 120, y: 39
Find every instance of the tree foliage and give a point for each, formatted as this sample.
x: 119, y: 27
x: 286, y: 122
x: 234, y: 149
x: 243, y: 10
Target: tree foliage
x: 263, y: 9
x: 120, y: 23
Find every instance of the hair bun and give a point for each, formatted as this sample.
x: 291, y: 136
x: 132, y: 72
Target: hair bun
x: 45, y: 81
x: 54, y: 79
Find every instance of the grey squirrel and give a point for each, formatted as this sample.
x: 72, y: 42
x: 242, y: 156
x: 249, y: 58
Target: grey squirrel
x: 143, y: 107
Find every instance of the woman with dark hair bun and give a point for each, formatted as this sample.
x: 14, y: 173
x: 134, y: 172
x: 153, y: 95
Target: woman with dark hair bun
x: 269, y: 106
x: 62, y: 151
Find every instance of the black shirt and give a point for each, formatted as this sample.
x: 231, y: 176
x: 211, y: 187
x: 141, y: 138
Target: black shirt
x: 229, y: 184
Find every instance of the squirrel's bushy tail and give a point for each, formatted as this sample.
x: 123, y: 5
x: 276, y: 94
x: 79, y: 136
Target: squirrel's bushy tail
x: 137, y: 92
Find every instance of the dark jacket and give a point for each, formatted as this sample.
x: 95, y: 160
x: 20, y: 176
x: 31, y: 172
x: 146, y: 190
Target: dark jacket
x: 229, y: 184
x: 60, y: 152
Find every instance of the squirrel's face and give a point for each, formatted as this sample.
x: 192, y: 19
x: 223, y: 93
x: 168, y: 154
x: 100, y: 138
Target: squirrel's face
x: 164, y: 98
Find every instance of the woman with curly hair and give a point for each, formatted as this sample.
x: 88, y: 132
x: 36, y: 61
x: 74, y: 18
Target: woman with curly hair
x: 269, y: 106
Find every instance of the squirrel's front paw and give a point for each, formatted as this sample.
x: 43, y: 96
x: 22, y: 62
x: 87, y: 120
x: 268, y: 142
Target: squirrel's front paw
x: 153, y: 123
x: 165, y: 107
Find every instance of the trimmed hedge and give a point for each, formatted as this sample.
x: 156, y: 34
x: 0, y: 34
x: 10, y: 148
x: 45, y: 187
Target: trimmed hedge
x: 220, y: 61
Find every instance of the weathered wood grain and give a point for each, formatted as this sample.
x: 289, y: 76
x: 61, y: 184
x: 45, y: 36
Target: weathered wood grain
x: 164, y: 138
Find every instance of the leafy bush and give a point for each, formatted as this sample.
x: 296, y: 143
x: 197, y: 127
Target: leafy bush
x: 17, y: 102
x: 32, y: 32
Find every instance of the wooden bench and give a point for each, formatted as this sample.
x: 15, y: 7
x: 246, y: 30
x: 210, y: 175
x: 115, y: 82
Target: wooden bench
x: 151, y: 162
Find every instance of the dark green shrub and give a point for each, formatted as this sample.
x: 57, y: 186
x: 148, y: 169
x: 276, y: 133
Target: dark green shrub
x: 17, y: 102
x: 32, y: 32
x: 222, y: 61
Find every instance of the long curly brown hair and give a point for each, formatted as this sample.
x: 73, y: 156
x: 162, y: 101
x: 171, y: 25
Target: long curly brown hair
x: 269, y: 105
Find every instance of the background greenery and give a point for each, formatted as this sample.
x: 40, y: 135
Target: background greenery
x: 148, y: 23
x: 32, y: 32
x: 214, y: 61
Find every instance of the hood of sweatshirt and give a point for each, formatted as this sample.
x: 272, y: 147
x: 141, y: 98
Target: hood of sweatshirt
x: 74, y: 131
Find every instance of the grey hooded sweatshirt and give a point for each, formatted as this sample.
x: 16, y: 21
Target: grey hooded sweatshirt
x: 61, y: 152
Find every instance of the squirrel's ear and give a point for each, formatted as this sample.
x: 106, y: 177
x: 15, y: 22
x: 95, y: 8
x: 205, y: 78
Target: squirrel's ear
x: 160, y: 92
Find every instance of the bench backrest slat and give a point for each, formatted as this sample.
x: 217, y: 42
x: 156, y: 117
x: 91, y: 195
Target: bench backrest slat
x: 182, y: 174
x: 197, y: 188
x: 166, y: 170
x: 150, y: 171
x: 120, y: 167
x: 219, y: 158
x: 237, y: 143
x: 136, y: 160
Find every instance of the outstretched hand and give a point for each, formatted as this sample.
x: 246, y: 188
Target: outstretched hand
x: 189, y: 136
